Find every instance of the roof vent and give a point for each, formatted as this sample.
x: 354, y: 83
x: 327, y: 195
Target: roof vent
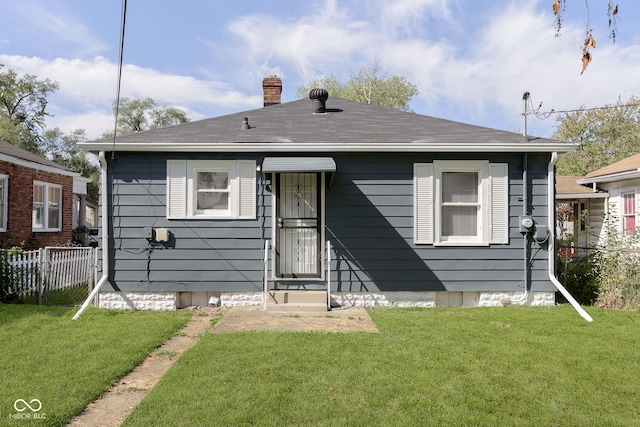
x: 318, y: 99
x: 245, y: 123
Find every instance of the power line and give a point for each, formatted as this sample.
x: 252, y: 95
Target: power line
x: 122, y: 26
x: 610, y: 107
x: 546, y: 114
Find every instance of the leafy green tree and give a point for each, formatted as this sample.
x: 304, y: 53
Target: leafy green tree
x: 371, y: 86
x: 63, y: 149
x: 23, y: 103
x: 606, y: 135
x: 140, y: 114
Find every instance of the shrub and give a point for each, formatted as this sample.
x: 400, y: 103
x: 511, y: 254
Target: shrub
x: 619, y: 265
x: 9, y: 275
x: 619, y: 278
x: 579, y: 275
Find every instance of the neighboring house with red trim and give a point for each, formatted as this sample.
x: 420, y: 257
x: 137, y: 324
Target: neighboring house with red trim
x: 41, y: 202
x: 608, y: 200
x: 580, y: 213
x: 621, y: 180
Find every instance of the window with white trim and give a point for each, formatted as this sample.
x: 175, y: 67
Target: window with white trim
x: 211, y: 189
x: 47, y: 207
x: 629, y: 213
x: 462, y: 203
x: 4, y: 192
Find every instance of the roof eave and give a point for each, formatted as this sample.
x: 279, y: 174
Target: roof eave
x: 619, y: 176
x: 601, y: 195
x: 38, y: 166
x: 280, y: 147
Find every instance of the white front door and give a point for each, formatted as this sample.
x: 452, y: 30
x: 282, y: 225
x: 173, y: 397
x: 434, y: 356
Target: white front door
x: 298, y: 225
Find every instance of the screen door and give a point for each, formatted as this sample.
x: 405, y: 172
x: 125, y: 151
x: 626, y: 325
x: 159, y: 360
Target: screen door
x: 298, y: 225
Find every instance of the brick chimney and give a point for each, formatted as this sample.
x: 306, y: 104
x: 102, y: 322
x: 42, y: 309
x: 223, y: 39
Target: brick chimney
x: 272, y: 89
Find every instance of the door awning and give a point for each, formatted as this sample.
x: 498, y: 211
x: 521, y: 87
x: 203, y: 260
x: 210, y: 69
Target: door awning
x: 298, y: 164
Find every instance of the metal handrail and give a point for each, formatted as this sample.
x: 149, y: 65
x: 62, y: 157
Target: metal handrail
x: 328, y: 276
x: 265, y: 285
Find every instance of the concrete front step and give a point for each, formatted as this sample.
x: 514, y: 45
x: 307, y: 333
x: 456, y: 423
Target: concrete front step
x: 296, y: 308
x: 297, y: 299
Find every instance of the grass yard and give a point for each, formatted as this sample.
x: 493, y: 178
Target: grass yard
x: 66, y: 364
x: 512, y: 366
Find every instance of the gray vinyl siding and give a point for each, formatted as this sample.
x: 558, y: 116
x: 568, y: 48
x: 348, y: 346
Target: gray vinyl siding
x: 202, y: 255
x: 370, y: 225
x: 369, y: 222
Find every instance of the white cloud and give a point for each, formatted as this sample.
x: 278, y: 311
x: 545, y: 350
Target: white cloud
x: 468, y: 65
x: 517, y: 52
x: 88, y: 88
x: 478, y: 71
x: 313, y: 44
x: 55, y: 22
x: 403, y: 13
x: 95, y: 123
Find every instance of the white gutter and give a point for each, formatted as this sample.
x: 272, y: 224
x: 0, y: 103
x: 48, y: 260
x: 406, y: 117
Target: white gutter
x: 336, y: 147
x: 105, y: 237
x: 569, y: 196
x: 618, y: 176
x: 552, y: 242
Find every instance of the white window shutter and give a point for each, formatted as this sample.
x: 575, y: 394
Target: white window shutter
x: 247, y: 188
x: 423, y: 202
x: 499, y: 205
x: 176, y: 188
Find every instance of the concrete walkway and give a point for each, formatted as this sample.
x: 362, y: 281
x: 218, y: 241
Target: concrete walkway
x: 295, y: 319
x: 118, y: 402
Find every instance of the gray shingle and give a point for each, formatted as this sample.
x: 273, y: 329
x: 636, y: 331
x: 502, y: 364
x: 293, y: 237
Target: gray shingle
x: 345, y: 122
x: 19, y: 153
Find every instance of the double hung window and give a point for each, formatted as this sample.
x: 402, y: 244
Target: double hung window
x: 462, y: 203
x: 211, y: 189
x: 47, y: 207
x: 628, y: 213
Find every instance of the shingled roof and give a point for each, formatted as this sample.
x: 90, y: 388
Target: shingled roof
x: 16, y: 152
x: 346, y: 123
x: 630, y: 164
x: 567, y: 187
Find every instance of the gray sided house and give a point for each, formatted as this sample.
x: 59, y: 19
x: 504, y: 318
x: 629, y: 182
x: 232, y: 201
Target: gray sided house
x: 375, y: 206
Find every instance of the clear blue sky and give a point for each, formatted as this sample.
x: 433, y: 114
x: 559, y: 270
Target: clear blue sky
x: 471, y: 60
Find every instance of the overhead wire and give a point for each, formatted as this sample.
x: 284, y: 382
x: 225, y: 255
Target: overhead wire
x: 546, y: 114
x: 120, y: 60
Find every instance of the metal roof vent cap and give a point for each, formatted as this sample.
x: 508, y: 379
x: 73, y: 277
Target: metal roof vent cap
x: 318, y: 99
x: 245, y: 123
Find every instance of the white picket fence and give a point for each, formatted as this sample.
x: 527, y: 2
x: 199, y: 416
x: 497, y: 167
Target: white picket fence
x: 52, y: 269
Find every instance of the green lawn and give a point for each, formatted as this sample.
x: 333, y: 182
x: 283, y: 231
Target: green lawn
x: 509, y: 366
x: 66, y: 364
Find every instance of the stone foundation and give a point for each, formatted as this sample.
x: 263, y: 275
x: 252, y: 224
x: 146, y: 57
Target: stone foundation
x: 173, y: 300
x: 138, y: 300
x: 441, y: 299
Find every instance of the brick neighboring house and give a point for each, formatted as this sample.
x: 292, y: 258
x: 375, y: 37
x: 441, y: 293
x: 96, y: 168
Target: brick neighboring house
x: 41, y: 202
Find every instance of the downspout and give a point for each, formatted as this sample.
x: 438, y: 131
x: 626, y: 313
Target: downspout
x: 552, y: 241
x: 525, y: 203
x: 105, y: 238
x: 525, y: 236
